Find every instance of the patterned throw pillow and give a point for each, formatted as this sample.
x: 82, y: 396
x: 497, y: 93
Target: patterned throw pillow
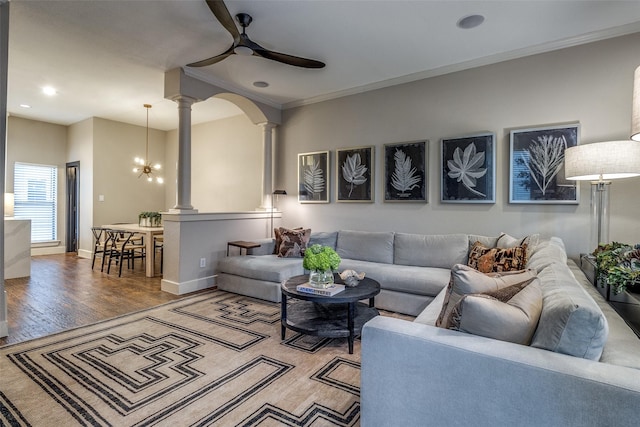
x: 488, y: 260
x: 277, y: 233
x: 508, y: 314
x: 466, y: 280
x: 293, y: 242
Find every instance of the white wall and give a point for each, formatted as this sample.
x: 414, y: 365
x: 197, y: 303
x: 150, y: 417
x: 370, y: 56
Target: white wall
x: 590, y: 84
x: 226, y: 165
x: 80, y: 149
x: 30, y: 141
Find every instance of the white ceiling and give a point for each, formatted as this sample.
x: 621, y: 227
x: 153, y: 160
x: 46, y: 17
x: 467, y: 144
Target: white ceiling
x: 107, y: 57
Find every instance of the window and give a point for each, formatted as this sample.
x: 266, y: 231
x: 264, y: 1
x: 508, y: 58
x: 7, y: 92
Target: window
x: 35, y: 192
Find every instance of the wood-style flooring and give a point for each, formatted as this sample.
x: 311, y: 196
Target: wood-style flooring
x: 63, y: 292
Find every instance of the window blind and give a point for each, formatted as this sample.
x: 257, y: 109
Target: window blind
x: 35, y: 193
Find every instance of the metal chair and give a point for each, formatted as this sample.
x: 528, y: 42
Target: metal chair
x: 124, y: 246
x: 99, y: 240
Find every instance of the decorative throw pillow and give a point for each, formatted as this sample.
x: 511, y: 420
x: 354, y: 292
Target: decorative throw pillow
x: 487, y: 260
x: 506, y: 241
x: 508, y: 314
x: 466, y: 280
x: 277, y: 233
x: 293, y: 242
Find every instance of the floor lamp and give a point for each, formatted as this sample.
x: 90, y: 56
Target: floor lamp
x: 276, y: 193
x: 601, y: 163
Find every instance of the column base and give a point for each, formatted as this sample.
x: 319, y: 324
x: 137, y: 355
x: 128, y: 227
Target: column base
x: 182, y: 211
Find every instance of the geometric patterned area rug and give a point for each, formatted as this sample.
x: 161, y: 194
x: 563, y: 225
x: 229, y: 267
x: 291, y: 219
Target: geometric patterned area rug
x: 212, y: 359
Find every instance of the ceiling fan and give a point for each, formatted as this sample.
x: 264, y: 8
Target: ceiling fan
x: 242, y: 44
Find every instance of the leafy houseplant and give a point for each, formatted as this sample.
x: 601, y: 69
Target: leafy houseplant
x: 618, y: 265
x: 321, y: 261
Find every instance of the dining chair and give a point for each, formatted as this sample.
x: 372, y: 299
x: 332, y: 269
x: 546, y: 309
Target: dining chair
x: 123, y: 246
x: 99, y: 241
x: 158, y: 245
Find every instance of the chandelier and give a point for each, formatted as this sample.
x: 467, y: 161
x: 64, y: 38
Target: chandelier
x: 143, y: 165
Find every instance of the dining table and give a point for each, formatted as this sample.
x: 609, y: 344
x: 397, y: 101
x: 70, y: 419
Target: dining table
x: 148, y: 233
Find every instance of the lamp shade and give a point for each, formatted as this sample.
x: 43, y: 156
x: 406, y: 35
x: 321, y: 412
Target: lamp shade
x: 635, y: 107
x: 602, y: 160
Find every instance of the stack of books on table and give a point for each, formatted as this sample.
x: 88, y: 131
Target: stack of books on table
x: 327, y: 292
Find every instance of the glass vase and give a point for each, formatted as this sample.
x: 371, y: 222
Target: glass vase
x: 321, y: 279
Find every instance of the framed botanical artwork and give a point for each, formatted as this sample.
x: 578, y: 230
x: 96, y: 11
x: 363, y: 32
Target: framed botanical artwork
x: 354, y: 174
x: 405, y: 172
x: 536, y: 159
x: 313, y: 177
x: 468, y: 171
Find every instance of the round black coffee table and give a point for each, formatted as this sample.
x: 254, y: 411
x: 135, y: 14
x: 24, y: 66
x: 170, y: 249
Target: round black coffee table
x: 340, y: 315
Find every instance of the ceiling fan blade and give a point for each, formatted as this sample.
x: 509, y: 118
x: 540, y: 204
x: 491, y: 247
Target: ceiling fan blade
x: 296, y: 61
x: 222, y: 14
x: 213, y: 59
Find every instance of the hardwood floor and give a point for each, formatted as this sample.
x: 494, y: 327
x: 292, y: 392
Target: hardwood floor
x: 63, y: 292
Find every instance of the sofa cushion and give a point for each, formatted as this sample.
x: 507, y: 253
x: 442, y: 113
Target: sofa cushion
x: 443, y: 251
x: 547, y: 252
x: 269, y: 268
x: 427, y: 281
x: 366, y: 246
x: 571, y: 322
x: 324, y: 238
x: 293, y: 242
x: 466, y: 280
x: 508, y: 314
x: 487, y: 241
x: 487, y: 260
x: 506, y: 241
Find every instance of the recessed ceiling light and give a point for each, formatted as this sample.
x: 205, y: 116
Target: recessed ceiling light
x: 471, y: 21
x: 25, y: 105
x: 261, y: 84
x: 49, y: 90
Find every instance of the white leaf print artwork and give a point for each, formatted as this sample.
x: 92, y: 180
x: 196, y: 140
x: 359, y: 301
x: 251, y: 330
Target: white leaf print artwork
x: 353, y: 171
x: 466, y: 167
x: 404, y: 178
x: 313, y: 180
x: 546, y: 157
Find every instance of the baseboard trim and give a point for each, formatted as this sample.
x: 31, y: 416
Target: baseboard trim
x: 83, y: 253
x: 4, y: 329
x: 48, y: 251
x: 189, y: 286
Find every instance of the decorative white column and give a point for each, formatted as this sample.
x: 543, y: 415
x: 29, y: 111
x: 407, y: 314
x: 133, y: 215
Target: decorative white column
x: 267, y: 170
x: 183, y: 174
x: 4, y: 55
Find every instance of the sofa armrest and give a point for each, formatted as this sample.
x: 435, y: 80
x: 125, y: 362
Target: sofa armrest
x: 414, y: 374
x: 266, y: 247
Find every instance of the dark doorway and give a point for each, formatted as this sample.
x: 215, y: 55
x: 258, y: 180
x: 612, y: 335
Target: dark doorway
x: 73, y: 213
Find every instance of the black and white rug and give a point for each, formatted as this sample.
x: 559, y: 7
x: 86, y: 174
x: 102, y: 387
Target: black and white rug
x: 213, y: 359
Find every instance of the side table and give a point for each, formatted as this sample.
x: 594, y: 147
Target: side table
x: 626, y: 304
x: 242, y: 245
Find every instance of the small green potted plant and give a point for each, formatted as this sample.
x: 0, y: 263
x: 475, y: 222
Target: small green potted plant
x: 321, y: 261
x: 618, y: 266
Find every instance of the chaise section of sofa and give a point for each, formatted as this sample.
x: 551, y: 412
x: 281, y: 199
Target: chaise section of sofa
x: 411, y: 268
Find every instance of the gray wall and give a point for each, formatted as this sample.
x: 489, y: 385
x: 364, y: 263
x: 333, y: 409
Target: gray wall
x: 591, y: 84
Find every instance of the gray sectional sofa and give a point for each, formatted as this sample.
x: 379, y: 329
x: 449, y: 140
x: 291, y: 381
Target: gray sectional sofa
x: 411, y: 268
x: 581, y: 369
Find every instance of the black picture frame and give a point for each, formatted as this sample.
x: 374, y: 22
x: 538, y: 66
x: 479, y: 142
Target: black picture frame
x: 313, y: 177
x: 405, y: 172
x: 468, y: 169
x: 536, y: 165
x: 355, y: 174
